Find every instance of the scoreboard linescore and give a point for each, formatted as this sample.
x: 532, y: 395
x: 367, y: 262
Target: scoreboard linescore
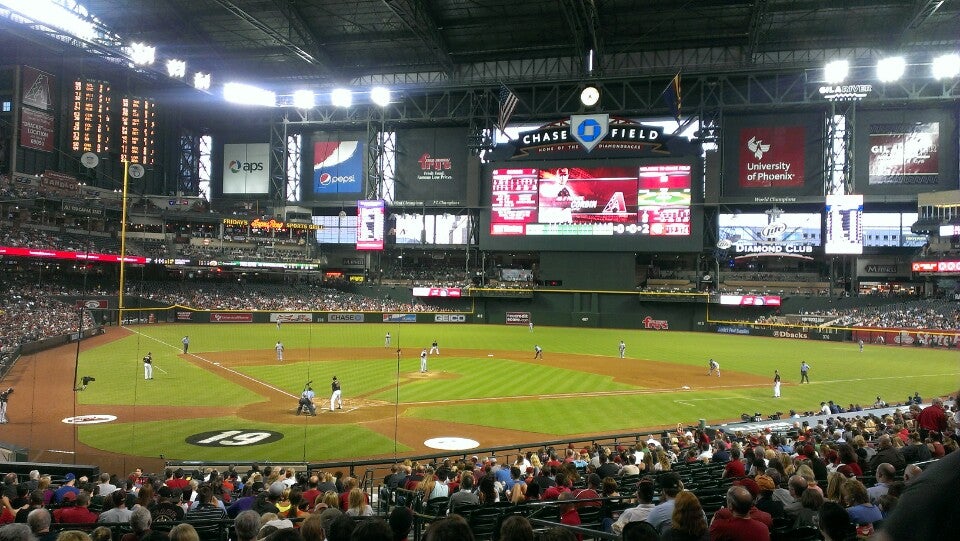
x: 648, y: 200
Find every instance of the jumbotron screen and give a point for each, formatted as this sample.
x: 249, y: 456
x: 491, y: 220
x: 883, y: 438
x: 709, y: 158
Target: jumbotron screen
x: 643, y: 201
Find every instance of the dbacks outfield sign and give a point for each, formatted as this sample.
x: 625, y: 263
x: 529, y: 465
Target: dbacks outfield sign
x: 772, y: 156
x: 588, y: 132
x: 337, y: 167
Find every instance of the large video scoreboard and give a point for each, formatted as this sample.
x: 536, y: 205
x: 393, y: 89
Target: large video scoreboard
x: 566, y: 201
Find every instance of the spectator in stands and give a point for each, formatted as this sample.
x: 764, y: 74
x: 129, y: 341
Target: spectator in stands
x: 933, y: 418
x: 487, y: 490
x: 640, y: 531
x: 808, y: 515
x: 797, y: 486
x: 885, y: 475
x: 206, y: 507
x: 911, y: 473
x: 754, y: 489
x: 734, y: 468
x: 68, y: 487
x: 247, y: 526
x: 340, y: 528
x: 119, y: 512
x: 916, y: 450
x: 464, y: 496
x: 568, y: 512
x: 184, y: 532
x: 16, y: 532
x: 645, y: 493
x: 670, y: 486
x: 452, y: 528
x: 688, y: 522
x: 766, y: 502
x: 516, y: 528
x: 267, y: 500
x: 835, y: 522
x: 39, y: 522
x: 739, y: 526
x: 562, y: 485
x: 780, y: 494
x: 34, y: 501
x: 886, y: 452
x: 858, y: 504
x: 357, y: 506
x: 401, y: 521
x: 78, y: 513
x: 105, y: 488
x: 373, y: 529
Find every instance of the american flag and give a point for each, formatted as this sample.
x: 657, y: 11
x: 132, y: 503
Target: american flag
x: 508, y: 102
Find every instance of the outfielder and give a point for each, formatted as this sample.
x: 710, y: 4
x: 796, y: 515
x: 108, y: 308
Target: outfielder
x: 147, y: 366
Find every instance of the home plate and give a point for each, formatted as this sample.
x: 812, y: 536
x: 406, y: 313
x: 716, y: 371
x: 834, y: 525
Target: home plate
x: 451, y: 443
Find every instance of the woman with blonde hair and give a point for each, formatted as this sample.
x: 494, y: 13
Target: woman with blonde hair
x: 688, y: 522
x: 787, y: 462
x: 663, y: 461
x: 834, y: 482
x: 648, y: 464
x: 327, y: 500
x: 806, y: 472
x: 358, y: 506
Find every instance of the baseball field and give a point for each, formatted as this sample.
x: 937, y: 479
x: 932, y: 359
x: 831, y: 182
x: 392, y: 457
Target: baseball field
x: 230, y: 399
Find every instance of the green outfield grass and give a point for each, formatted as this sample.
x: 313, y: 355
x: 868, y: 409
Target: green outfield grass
x: 552, y: 401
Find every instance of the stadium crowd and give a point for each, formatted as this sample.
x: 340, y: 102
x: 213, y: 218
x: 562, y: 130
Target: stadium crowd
x: 920, y: 314
x: 837, y: 480
x: 250, y: 296
x: 30, y: 312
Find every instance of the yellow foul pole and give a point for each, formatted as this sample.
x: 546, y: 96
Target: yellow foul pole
x: 123, y: 239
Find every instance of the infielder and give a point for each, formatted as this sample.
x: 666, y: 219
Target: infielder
x: 714, y: 365
x: 623, y: 349
x: 537, y: 352
x: 335, y: 396
x: 279, y: 348
x: 386, y: 340
x: 434, y: 348
x: 423, y: 361
x: 147, y: 366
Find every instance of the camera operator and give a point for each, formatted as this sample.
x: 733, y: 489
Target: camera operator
x: 4, y: 397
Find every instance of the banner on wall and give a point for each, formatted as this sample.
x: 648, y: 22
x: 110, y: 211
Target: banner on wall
x: 431, y: 167
x: 337, y: 167
x: 246, y: 168
x: 904, y: 153
x: 36, y: 129
x: 772, y: 157
x: 38, y: 89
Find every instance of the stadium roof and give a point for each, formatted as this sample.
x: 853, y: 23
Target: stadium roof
x: 472, y: 42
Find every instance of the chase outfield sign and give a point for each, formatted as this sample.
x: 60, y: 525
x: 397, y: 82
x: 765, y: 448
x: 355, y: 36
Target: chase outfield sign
x: 588, y: 132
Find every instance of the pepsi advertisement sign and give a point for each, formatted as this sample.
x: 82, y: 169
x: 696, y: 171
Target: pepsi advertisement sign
x: 337, y: 167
